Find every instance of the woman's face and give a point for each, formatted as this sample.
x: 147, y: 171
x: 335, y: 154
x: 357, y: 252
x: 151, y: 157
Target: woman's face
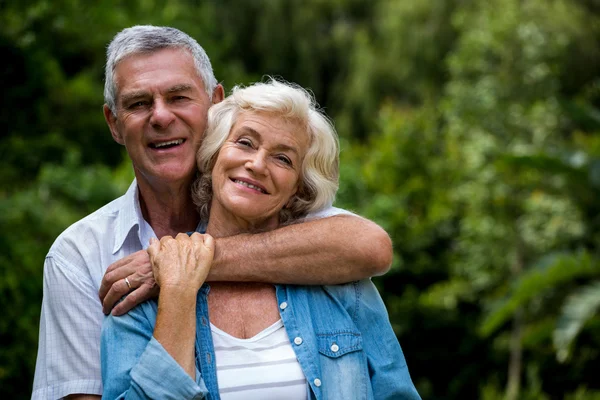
x: 258, y: 168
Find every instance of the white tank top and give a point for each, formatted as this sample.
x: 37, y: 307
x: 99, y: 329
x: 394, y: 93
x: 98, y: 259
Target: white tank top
x: 263, y: 367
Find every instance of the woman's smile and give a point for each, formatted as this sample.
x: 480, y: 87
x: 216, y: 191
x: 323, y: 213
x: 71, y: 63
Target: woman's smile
x: 247, y: 183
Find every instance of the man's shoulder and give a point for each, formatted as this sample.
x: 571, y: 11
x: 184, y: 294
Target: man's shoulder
x: 99, y: 225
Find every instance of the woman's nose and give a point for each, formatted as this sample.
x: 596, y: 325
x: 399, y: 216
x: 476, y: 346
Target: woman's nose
x: 257, y: 163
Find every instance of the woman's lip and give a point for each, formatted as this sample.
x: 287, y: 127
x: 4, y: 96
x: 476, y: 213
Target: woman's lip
x: 250, y: 184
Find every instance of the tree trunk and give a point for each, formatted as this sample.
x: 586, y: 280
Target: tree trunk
x: 515, y: 362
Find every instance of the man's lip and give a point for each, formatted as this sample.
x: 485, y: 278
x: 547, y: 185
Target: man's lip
x: 166, y: 143
x: 252, y: 182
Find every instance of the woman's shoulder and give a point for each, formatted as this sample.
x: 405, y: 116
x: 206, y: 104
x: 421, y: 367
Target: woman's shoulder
x: 348, y: 298
x: 144, y: 314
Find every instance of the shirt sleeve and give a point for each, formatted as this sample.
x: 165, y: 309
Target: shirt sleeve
x: 328, y: 212
x: 136, y: 366
x: 68, y: 359
x: 389, y: 374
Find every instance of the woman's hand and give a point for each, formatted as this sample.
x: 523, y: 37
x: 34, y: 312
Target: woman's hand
x: 181, y: 263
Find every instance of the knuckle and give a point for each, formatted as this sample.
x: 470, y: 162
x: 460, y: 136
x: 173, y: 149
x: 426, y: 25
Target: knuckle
x: 132, y: 298
x: 109, y: 276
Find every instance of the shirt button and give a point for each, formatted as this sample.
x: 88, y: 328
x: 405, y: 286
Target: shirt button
x: 283, y: 305
x: 317, y: 382
x: 298, y: 340
x: 335, y: 348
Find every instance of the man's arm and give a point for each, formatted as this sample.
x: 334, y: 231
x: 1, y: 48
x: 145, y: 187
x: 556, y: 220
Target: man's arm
x: 68, y: 359
x: 326, y: 251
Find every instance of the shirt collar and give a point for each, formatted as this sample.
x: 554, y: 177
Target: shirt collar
x: 130, y: 217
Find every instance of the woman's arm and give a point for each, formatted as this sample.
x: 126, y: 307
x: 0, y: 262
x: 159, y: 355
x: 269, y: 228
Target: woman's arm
x: 136, y: 366
x: 180, y: 268
x: 390, y: 378
x: 147, y: 358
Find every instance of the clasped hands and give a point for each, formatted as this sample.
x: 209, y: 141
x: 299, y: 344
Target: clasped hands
x: 181, y: 262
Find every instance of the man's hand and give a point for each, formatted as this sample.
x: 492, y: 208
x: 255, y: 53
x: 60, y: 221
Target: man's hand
x: 137, y: 269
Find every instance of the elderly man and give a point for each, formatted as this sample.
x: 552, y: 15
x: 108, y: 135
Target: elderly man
x: 159, y: 86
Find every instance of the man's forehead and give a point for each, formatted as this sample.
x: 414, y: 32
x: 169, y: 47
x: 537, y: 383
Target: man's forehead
x: 166, y: 71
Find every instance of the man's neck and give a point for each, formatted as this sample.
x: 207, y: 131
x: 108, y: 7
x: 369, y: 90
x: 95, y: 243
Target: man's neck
x: 169, y: 210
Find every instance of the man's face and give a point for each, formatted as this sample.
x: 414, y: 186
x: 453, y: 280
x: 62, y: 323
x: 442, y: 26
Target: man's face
x: 161, y: 115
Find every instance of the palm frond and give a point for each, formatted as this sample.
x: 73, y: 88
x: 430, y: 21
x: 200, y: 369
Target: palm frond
x: 550, y: 272
x: 578, y: 308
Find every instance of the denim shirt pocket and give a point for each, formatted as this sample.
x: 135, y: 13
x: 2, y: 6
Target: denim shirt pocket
x: 337, y: 344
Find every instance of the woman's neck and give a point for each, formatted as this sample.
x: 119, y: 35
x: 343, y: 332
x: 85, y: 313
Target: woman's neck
x: 222, y: 223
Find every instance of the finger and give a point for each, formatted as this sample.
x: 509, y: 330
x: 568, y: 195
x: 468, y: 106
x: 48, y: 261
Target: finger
x: 121, y: 262
x: 112, y: 277
x: 153, y: 248
x: 166, y: 239
x: 121, y: 269
x: 182, y: 236
x: 117, y: 290
x: 209, y: 242
x: 109, y: 277
x: 198, y: 245
x: 197, y: 238
x: 134, y: 298
x: 208, y: 245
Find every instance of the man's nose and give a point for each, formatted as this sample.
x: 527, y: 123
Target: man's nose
x: 162, y: 116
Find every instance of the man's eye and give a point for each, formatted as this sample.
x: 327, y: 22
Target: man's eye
x: 137, y: 104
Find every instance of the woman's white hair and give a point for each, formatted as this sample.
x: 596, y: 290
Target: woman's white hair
x: 320, y: 167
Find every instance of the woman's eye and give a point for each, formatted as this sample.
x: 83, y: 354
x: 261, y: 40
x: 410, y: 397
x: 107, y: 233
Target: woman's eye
x: 245, y: 142
x: 284, y: 159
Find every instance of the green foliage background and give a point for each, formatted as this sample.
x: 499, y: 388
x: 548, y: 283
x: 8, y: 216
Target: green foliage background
x: 470, y: 132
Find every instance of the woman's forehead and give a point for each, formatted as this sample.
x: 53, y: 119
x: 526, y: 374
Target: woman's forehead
x: 271, y: 126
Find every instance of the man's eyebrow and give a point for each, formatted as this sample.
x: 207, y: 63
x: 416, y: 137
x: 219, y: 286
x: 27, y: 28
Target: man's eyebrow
x: 127, y: 97
x: 179, y: 88
x: 138, y: 94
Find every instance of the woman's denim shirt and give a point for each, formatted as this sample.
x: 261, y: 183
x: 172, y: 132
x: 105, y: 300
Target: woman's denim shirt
x: 341, y: 335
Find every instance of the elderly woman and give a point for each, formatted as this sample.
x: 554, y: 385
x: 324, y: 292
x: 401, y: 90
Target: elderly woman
x: 268, y: 158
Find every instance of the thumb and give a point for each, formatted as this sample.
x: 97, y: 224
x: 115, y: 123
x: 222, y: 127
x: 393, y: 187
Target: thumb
x: 153, y: 248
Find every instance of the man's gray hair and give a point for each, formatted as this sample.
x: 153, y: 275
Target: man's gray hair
x: 145, y: 39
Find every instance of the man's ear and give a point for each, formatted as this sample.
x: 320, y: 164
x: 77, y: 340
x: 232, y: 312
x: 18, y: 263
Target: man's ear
x: 111, y: 120
x: 218, y: 94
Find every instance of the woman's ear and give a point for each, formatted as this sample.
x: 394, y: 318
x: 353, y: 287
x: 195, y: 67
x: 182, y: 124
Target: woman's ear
x: 290, y: 202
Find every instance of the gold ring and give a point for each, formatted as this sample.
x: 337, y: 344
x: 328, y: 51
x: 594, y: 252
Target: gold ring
x: 128, y: 284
